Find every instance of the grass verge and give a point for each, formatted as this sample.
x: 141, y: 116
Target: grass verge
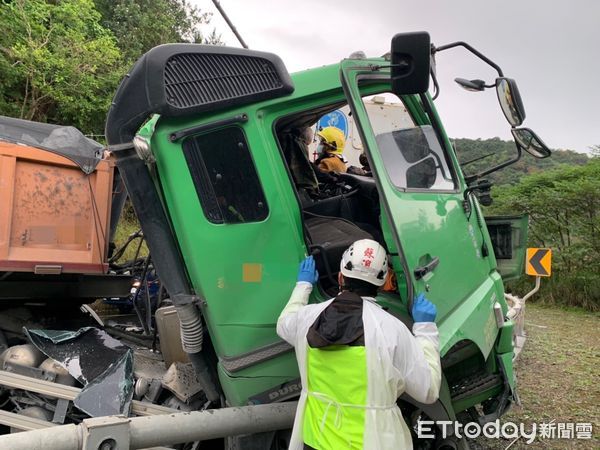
x: 558, y: 376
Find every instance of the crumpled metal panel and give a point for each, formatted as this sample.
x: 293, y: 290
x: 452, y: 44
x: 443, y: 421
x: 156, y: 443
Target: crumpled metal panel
x: 111, y: 393
x: 100, y: 362
x: 181, y: 379
x: 58, y: 336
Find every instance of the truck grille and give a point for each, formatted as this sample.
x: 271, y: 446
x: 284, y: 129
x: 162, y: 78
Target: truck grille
x: 194, y: 79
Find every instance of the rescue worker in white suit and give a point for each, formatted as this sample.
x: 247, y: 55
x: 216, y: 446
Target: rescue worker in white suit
x: 355, y: 359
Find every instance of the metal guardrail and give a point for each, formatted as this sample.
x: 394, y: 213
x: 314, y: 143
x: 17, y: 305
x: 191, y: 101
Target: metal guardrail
x: 155, y: 426
x: 120, y: 433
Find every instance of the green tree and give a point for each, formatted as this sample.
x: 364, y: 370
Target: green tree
x: 140, y: 25
x: 61, y: 61
x: 57, y: 62
x: 564, y: 210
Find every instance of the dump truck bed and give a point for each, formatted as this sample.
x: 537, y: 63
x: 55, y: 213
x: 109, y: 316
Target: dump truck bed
x: 54, y: 216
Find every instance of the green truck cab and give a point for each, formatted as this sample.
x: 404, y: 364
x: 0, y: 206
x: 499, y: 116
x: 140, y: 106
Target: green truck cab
x: 208, y: 141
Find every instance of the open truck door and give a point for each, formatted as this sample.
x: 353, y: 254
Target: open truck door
x: 422, y: 195
x: 434, y: 228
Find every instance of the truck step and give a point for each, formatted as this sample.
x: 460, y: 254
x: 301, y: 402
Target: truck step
x: 474, y: 384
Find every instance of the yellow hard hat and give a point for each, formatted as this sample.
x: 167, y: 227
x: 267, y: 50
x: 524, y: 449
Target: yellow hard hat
x: 334, y: 139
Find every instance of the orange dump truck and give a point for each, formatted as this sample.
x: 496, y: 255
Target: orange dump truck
x: 55, y: 206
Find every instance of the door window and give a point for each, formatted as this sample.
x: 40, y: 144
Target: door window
x: 225, y: 177
x: 413, y: 156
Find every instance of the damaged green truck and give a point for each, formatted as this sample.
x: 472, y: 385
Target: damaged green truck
x: 208, y: 143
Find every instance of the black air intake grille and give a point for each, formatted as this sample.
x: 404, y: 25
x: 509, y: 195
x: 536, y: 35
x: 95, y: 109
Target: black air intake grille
x: 200, y: 79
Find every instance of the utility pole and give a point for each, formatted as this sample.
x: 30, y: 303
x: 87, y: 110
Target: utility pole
x: 218, y: 6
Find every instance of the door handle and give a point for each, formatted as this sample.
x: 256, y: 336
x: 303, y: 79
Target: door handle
x: 421, y: 271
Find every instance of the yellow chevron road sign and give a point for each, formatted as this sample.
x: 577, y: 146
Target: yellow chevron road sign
x: 539, y: 262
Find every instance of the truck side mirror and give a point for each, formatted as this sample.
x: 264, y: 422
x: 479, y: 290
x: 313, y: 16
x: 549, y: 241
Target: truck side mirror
x: 410, y: 63
x: 510, y: 101
x: 530, y: 142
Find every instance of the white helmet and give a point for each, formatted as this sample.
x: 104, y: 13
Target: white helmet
x: 365, y: 260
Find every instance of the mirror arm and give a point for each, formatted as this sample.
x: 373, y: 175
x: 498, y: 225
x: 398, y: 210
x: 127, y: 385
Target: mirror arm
x: 433, y: 73
x: 436, y: 86
x: 472, y: 50
x: 471, y: 161
x: 472, y: 178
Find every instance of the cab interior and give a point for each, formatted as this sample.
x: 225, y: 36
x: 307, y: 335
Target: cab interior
x: 337, y: 209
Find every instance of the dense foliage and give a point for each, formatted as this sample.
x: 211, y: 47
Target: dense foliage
x: 57, y: 63
x: 61, y: 61
x: 561, y: 195
x: 139, y: 25
x: 563, y: 205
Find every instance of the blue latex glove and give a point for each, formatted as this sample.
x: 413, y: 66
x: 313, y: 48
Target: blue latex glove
x: 423, y: 310
x: 307, y: 271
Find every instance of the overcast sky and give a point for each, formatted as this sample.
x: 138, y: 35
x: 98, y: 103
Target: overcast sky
x: 551, y: 48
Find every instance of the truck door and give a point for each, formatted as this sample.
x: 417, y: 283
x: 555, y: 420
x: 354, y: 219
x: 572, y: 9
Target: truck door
x: 240, y: 237
x: 441, y: 246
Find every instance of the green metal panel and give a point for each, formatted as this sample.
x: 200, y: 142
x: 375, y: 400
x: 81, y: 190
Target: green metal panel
x: 473, y: 319
x: 240, y: 315
x: 505, y: 339
x: 240, y: 386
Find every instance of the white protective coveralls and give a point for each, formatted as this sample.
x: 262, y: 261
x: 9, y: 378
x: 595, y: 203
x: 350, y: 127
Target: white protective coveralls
x: 396, y: 362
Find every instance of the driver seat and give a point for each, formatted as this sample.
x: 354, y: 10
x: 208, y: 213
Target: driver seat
x: 332, y: 236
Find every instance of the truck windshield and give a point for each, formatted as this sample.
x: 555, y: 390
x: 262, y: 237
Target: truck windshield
x: 413, y: 156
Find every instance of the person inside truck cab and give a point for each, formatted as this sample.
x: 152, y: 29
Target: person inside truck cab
x: 355, y: 359
x: 330, y: 150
